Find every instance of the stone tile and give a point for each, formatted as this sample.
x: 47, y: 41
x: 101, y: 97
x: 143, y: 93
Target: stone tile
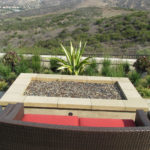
x: 100, y: 104
x: 74, y: 103
x: 40, y: 101
x: 126, y: 85
x: 11, y: 99
x: 27, y: 75
x: 75, y: 78
x: 132, y: 94
x: 120, y: 79
x: 95, y: 79
x: 24, y: 82
x: 47, y: 77
x: 135, y: 104
x: 17, y: 89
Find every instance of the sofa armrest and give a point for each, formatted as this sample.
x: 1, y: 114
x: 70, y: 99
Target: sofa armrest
x: 1, y: 109
x: 16, y: 113
x: 141, y: 118
x: 148, y: 114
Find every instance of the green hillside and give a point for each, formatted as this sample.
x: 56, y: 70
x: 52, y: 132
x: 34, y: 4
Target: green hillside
x: 127, y: 33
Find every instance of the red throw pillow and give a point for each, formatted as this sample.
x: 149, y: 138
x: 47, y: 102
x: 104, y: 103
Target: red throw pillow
x: 94, y: 122
x: 52, y: 119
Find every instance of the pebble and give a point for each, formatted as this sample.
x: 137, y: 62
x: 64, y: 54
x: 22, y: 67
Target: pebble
x: 74, y: 90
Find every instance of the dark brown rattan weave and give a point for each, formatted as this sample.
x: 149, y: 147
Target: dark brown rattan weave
x: 18, y: 135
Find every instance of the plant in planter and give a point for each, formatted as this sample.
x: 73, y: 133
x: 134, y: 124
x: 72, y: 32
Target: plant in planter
x: 74, y: 64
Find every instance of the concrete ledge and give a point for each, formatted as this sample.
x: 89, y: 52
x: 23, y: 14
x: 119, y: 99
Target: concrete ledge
x: 74, y: 103
x: 99, y: 104
x: 16, y: 94
x: 39, y: 101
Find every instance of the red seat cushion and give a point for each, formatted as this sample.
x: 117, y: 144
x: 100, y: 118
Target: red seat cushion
x: 52, y: 119
x: 93, y: 122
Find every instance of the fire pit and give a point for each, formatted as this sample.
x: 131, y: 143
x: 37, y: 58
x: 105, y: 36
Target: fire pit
x: 74, y: 92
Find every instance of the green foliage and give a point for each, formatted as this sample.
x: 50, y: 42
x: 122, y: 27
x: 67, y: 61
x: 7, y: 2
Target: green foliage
x: 144, y: 87
x: 11, y: 77
x: 29, y: 70
x: 54, y: 65
x: 106, y: 69
x: 145, y: 82
x: 126, y: 67
x: 36, y: 63
x: 4, y: 71
x: 92, y: 69
x: 142, y: 64
x: 142, y: 83
x: 11, y: 59
x: 3, y: 85
x: 58, y: 20
x: 133, y: 26
x: 117, y: 71
x: 120, y: 70
x: 145, y: 92
x: 73, y: 64
x: 148, y: 81
x: 134, y: 77
x: 23, y: 66
x: 114, y: 33
x: 47, y: 71
x: 143, y: 52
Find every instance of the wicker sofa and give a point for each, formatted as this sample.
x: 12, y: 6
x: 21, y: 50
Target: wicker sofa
x: 16, y: 134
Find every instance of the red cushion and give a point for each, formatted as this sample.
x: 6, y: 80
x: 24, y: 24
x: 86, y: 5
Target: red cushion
x: 52, y: 119
x: 93, y: 122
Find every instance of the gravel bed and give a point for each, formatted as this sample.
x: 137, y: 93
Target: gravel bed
x: 74, y: 90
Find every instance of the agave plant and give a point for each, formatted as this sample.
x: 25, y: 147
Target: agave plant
x: 73, y: 64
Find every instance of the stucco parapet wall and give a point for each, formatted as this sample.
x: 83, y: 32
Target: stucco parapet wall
x: 98, y: 60
x: 16, y: 94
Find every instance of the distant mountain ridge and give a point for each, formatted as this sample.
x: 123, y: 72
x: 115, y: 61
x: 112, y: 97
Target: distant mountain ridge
x: 29, y: 4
